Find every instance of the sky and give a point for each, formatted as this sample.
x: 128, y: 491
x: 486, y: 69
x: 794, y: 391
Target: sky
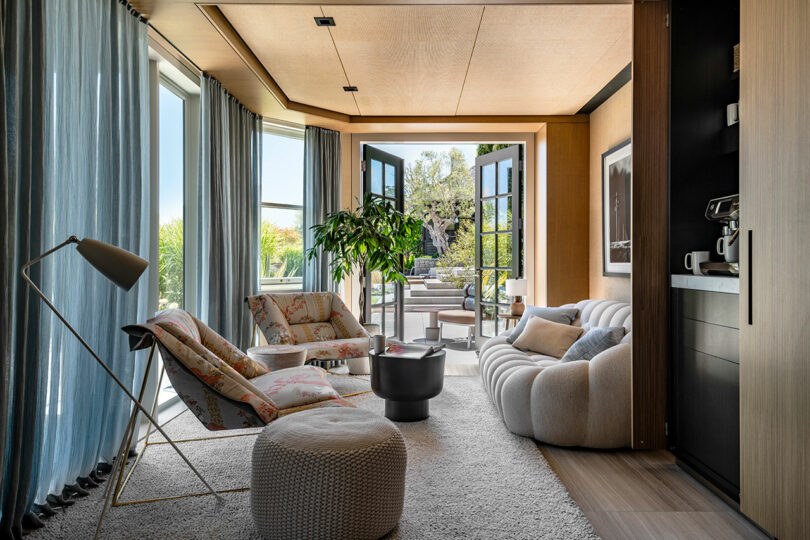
x: 410, y: 152
x: 170, y: 155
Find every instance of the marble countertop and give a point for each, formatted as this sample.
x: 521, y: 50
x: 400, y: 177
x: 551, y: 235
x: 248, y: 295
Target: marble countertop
x: 722, y: 284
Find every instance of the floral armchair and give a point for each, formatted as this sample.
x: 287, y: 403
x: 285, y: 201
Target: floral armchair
x: 221, y: 385
x: 318, y: 321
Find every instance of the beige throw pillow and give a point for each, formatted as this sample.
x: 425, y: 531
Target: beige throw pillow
x: 546, y: 337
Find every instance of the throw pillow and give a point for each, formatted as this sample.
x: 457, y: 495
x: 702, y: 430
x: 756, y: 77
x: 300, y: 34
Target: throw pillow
x: 594, y: 342
x: 558, y: 315
x: 546, y: 337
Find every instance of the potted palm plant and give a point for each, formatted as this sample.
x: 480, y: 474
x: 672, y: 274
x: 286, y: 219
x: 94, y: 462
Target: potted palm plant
x: 374, y: 237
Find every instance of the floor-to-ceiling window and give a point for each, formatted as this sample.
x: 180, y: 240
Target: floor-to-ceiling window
x: 175, y: 99
x: 171, y: 181
x: 281, y: 254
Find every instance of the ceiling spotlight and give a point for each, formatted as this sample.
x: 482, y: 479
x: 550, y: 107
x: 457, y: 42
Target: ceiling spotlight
x: 324, y: 21
x: 350, y: 89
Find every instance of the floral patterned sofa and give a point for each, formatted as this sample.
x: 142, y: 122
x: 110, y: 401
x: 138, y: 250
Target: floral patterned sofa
x: 221, y: 385
x: 318, y: 321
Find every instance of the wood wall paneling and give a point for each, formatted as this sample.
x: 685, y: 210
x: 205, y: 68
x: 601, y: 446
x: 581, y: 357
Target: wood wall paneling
x: 775, y: 200
x: 650, y: 280
x: 611, y: 123
x: 567, y: 212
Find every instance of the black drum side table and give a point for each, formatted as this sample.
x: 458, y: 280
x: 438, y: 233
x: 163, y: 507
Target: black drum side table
x: 407, y: 384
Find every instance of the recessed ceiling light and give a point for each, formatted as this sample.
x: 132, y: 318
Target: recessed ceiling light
x: 324, y: 21
x: 350, y: 89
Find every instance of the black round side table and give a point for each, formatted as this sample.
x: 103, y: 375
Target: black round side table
x: 407, y: 384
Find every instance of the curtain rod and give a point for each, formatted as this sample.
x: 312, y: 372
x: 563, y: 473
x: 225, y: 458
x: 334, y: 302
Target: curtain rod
x: 175, y: 47
x: 138, y: 15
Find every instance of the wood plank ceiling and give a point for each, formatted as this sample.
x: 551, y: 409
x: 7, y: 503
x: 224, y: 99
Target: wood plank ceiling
x: 439, y: 59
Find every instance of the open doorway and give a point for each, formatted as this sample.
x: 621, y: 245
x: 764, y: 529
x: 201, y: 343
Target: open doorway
x: 466, y: 193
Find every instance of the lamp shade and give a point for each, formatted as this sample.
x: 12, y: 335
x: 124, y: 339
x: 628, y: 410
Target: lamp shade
x: 118, y: 265
x: 517, y: 287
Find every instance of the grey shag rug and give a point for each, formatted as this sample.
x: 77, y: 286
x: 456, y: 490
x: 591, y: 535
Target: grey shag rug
x: 468, y: 477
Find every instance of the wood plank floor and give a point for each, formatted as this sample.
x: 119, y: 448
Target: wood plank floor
x: 644, y: 495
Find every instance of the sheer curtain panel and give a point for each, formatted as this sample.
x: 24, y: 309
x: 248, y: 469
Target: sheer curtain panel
x: 228, y: 212
x: 77, y: 156
x: 321, y: 198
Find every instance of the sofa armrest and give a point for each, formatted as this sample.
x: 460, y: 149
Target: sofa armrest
x: 609, y: 399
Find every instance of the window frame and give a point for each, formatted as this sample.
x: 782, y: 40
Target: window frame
x: 163, y: 72
x: 271, y: 284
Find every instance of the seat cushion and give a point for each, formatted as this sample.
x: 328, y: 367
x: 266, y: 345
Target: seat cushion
x: 308, y: 332
x: 336, y: 349
x: 296, y: 386
x: 457, y: 316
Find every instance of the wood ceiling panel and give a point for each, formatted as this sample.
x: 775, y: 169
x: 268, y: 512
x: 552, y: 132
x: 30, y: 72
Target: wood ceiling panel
x: 548, y: 59
x: 299, y: 55
x: 405, y: 59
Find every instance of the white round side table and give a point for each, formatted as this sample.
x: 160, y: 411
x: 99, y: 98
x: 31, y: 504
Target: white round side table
x: 278, y: 356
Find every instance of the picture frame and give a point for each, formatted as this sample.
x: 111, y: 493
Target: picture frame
x: 617, y: 166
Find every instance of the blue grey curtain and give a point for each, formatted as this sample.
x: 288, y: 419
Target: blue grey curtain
x: 21, y: 164
x: 76, y: 154
x: 321, y: 198
x: 228, y: 210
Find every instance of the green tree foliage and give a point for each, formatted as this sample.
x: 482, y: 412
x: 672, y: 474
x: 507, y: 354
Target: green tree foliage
x: 460, y: 256
x: 375, y: 237
x: 484, y: 149
x: 170, y: 264
x: 439, y: 190
x: 282, y: 252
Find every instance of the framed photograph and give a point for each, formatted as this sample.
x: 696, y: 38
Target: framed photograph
x: 616, y: 181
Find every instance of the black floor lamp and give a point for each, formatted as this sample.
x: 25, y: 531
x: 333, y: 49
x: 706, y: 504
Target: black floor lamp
x: 122, y: 268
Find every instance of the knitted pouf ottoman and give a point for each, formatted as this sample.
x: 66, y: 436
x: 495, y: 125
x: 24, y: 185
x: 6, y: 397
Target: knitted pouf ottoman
x: 332, y: 473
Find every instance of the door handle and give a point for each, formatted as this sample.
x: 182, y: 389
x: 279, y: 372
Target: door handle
x: 750, y: 277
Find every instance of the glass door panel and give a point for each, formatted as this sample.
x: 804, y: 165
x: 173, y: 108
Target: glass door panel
x: 498, y: 236
x: 383, y: 177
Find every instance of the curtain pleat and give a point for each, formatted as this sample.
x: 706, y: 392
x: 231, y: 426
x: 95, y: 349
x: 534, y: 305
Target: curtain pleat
x: 22, y: 166
x: 98, y: 187
x: 321, y: 198
x: 228, y: 212
x: 77, y: 164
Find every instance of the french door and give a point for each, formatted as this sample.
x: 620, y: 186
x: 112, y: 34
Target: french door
x: 498, y: 225
x: 383, y: 177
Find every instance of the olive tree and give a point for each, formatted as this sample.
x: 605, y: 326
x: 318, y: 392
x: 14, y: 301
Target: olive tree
x: 439, y: 190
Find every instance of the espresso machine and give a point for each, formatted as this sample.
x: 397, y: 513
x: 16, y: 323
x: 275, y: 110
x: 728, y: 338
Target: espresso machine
x: 725, y: 210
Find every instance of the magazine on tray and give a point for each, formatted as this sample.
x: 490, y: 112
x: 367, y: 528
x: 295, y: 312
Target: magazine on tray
x: 415, y: 351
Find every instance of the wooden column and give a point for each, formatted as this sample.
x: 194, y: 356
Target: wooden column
x: 649, y: 237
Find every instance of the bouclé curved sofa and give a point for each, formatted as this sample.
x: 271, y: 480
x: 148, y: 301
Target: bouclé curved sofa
x: 579, y: 403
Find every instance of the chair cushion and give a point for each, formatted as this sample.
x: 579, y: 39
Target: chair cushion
x: 207, y: 367
x: 308, y: 307
x: 558, y: 315
x: 457, y: 316
x: 546, y: 337
x: 336, y: 349
x: 296, y: 386
x: 593, y: 342
x: 270, y: 319
x: 308, y: 332
x: 228, y: 352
